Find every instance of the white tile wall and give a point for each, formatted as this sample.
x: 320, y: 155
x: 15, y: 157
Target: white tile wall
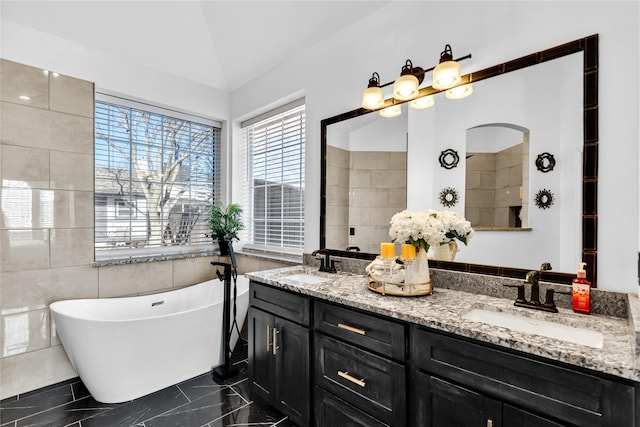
x: 46, y: 226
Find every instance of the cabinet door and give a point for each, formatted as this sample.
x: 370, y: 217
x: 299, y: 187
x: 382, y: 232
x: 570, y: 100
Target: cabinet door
x: 262, y: 373
x: 293, y: 391
x: 443, y: 404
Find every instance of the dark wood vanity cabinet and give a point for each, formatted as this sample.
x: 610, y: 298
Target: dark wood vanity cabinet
x: 458, y: 382
x: 279, y: 358
x: 326, y: 364
x: 359, y: 363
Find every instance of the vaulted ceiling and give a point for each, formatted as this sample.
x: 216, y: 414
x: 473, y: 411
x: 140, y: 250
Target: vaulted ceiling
x: 223, y: 44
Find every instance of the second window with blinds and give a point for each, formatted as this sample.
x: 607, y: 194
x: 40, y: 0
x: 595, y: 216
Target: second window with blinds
x: 275, y: 175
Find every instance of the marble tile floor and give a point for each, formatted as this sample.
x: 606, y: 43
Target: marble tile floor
x: 198, y: 402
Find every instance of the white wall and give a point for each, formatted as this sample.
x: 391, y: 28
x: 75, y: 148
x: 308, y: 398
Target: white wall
x: 332, y: 74
x: 336, y: 71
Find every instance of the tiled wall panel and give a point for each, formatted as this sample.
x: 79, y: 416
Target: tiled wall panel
x: 47, y: 225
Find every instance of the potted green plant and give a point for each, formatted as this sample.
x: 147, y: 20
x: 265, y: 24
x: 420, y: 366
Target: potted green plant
x: 225, y: 223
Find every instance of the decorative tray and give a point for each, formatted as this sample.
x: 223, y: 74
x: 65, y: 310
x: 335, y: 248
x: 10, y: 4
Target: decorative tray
x: 400, y: 289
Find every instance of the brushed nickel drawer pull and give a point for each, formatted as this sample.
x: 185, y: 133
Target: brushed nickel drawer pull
x: 346, y: 376
x: 268, y: 336
x: 352, y: 329
x: 275, y: 338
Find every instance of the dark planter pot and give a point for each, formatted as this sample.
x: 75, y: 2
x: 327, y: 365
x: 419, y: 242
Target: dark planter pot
x: 224, y: 247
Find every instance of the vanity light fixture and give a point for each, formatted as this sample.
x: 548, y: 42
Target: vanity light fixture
x: 24, y: 97
x: 406, y: 86
x: 423, y: 102
x: 373, y: 97
x: 459, y: 92
x: 447, y: 72
x: 393, y: 111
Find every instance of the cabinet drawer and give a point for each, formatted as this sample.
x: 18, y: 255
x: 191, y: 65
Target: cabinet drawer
x: 332, y: 411
x: 567, y: 395
x: 374, y: 384
x: 373, y: 333
x: 284, y: 304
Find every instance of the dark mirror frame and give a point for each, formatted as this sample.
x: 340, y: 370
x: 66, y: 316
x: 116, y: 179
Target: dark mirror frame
x: 589, y: 47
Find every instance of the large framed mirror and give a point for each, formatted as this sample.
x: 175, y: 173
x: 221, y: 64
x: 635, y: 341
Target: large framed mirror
x: 373, y: 167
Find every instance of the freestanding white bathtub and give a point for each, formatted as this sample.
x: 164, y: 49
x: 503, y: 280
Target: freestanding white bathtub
x: 125, y: 348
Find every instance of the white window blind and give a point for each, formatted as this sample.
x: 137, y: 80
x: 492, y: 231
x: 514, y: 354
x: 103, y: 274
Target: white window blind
x: 155, y: 177
x: 275, y: 149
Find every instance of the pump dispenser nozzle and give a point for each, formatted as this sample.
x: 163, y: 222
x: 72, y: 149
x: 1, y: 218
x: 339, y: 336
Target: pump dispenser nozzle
x: 581, y: 271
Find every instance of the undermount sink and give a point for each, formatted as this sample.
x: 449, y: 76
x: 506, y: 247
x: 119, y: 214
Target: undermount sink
x: 544, y: 328
x: 310, y: 279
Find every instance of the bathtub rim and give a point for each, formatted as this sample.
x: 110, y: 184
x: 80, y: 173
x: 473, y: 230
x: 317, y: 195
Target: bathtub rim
x: 54, y: 310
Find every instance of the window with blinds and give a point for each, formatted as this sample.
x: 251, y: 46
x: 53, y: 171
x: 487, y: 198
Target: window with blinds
x: 275, y: 150
x: 155, y: 177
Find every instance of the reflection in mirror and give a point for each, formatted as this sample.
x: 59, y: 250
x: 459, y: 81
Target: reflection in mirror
x: 497, y: 176
x: 366, y: 180
x: 552, y: 95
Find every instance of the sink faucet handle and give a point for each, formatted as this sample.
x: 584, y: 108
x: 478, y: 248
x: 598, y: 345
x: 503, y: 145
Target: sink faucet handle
x: 520, y: 298
x: 332, y: 268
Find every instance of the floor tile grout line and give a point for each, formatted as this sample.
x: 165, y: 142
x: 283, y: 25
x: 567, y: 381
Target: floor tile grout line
x: 224, y: 415
x: 183, y: 393
x: 50, y: 408
x: 21, y: 396
x: 73, y: 395
x: 184, y: 404
x: 241, y: 396
x: 284, y: 419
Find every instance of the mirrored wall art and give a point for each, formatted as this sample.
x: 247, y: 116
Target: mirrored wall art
x: 545, y: 162
x: 449, y: 158
x: 448, y: 197
x: 544, y: 199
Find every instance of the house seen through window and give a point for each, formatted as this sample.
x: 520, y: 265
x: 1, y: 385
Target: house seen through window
x: 156, y: 173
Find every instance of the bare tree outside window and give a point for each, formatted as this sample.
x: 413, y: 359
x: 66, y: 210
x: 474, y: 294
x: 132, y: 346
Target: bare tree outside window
x: 158, y: 169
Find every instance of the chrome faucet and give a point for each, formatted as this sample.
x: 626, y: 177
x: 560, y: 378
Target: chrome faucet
x: 532, y: 278
x: 327, y: 265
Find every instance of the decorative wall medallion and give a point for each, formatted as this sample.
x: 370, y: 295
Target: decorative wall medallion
x: 449, y: 158
x: 544, y: 199
x: 545, y: 162
x: 448, y: 197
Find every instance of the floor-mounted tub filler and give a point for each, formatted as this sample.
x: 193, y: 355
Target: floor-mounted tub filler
x: 125, y: 348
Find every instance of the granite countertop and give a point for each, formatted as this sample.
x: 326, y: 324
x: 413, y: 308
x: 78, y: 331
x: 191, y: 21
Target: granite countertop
x: 444, y: 310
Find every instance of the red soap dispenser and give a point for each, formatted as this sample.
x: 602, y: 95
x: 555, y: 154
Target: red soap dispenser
x: 581, y: 294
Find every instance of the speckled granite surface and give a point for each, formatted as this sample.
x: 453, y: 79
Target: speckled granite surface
x: 445, y: 308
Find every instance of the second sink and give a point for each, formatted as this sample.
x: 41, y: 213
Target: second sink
x: 544, y: 328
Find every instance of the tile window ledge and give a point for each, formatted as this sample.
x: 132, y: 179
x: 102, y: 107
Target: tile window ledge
x: 151, y: 257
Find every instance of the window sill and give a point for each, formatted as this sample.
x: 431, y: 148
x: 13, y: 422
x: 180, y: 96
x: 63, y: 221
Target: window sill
x: 135, y: 256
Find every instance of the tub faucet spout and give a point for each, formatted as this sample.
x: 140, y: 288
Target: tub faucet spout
x: 227, y: 270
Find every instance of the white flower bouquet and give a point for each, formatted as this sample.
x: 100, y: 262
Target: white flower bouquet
x: 431, y: 228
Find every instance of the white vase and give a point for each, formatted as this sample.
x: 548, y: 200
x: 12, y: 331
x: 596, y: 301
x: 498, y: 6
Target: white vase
x: 420, y: 268
x: 445, y: 252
